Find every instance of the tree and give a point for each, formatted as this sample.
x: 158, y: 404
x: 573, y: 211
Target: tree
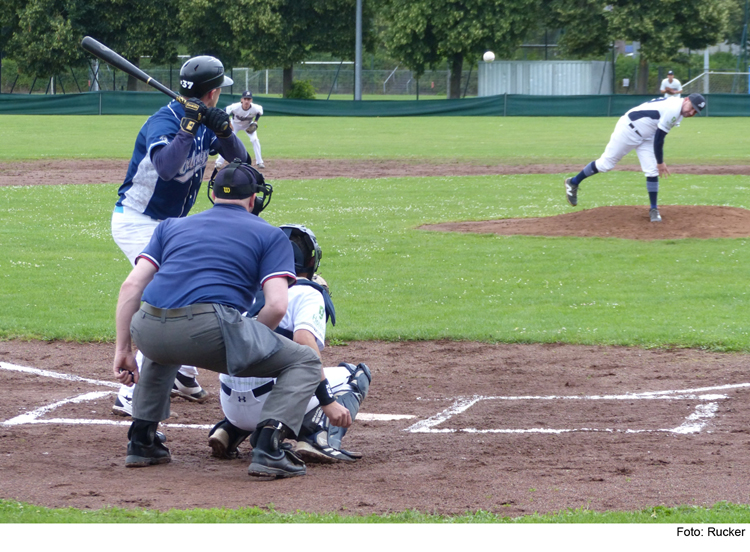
x: 273, y: 33
x: 423, y: 32
x: 584, y: 23
x: 663, y: 27
x: 47, y: 38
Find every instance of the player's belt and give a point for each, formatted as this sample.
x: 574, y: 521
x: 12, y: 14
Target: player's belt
x: 182, y: 312
x: 257, y: 392
x: 636, y: 130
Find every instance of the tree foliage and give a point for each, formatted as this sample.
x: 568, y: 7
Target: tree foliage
x: 423, y: 32
x: 273, y: 33
x: 45, y: 35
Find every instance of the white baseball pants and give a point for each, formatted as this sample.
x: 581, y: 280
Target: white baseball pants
x: 242, y: 408
x: 625, y: 139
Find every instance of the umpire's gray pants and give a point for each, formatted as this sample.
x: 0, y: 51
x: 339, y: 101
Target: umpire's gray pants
x: 193, y: 335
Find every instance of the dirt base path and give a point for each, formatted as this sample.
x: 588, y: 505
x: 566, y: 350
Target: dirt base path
x: 96, y: 171
x: 511, y: 429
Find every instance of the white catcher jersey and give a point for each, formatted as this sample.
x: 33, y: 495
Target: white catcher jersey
x: 243, y: 118
x: 663, y: 113
x: 306, y: 311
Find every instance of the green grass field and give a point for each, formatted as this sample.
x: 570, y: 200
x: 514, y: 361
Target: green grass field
x: 61, y: 270
x: 515, y: 140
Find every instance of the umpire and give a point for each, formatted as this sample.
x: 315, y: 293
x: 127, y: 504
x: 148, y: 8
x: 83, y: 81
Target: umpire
x: 195, y: 277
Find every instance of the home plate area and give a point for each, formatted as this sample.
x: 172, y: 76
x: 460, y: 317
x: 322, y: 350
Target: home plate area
x: 447, y: 427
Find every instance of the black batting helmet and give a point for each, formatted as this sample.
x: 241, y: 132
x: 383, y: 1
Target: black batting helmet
x: 202, y: 74
x: 307, y: 252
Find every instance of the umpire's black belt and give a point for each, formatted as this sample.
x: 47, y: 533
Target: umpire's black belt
x: 636, y: 130
x: 257, y: 392
x: 182, y: 312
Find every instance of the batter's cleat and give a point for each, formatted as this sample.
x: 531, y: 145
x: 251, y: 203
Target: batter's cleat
x: 123, y: 406
x: 311, y: 452
x: 571, y: 192
x: 654, y: 215
x: 261, y: 166
x: 189, y: 388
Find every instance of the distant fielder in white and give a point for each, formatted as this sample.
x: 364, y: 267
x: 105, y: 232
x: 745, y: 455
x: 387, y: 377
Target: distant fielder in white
x: 671, y: 86
x: 245, y: 115
x: 642, y: 129
x: 488, y: 56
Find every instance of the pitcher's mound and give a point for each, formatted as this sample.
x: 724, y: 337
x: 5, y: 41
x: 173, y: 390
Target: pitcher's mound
x: 625, y: 221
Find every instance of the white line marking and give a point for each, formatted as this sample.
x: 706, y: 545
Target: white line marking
x: 692, y: 424
x: 56, y: 375
x: 33, y: 416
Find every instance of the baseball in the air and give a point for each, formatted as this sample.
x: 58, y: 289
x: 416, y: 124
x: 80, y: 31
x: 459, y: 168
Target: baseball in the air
x: 488, y: 56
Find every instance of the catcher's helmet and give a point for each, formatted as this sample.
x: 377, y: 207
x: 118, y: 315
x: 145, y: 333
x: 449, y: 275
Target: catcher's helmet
x: 307, y: 252
x: 202, y: 74
x: 239, y: 180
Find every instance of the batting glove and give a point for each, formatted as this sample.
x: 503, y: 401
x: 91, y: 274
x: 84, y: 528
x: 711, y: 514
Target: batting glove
x: 195, y: 111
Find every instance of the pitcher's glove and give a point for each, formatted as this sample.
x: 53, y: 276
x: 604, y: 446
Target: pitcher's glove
x: 195, y: 112
x: 252, y: 127
x: 218, y: 120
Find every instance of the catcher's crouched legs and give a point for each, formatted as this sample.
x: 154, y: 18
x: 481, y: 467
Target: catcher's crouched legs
x: 321, y: 442
x: 224, y: 439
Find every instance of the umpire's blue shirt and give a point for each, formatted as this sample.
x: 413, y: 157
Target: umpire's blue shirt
x: 222, y: 255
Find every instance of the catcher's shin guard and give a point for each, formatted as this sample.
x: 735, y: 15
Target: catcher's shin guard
x: 316, y: 426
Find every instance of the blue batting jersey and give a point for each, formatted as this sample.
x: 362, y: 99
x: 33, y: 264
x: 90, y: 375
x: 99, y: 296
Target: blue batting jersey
x: 143, y: 189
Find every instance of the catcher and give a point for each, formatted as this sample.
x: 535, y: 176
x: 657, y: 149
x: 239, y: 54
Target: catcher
x: 340, y: 394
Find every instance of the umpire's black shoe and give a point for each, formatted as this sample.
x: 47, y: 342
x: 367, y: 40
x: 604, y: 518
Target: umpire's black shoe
x: 284, y: 463
x: 571, y: 192
x: 271, y: 458
x: 146, y: 448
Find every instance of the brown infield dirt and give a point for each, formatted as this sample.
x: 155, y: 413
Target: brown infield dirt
x: 511, y: 429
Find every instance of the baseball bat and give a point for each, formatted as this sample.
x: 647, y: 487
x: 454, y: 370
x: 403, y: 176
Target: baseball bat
x: 99, y: 50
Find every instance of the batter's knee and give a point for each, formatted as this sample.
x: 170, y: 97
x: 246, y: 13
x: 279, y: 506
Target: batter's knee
x: 605, y: 164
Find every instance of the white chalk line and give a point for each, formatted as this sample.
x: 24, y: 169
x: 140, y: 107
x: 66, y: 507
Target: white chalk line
x: 694, y: 423
x: 35, y: 416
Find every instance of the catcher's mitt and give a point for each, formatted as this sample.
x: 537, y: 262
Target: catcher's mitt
x: 252, y: 128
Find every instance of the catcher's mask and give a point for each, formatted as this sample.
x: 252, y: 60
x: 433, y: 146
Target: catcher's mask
x: 239, y: 180
x: 307, y: 252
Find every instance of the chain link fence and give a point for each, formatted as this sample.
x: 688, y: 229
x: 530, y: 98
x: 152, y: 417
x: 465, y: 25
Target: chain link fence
x: 334, y: 80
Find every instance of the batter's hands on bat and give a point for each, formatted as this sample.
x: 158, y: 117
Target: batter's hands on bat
x: 218, y: 120
x: 337, y: 414
x: 663, y: 170
x: 125, y: 368
x: 195, y: 112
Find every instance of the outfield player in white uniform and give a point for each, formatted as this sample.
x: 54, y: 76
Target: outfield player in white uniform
x: 671, y: 86
x: 244, y: 113
x: 164, y: 177
x: 642, y: 129
x: 242, y: 399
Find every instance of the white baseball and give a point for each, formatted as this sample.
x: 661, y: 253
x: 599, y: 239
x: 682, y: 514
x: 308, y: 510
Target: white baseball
x: 488, y: 56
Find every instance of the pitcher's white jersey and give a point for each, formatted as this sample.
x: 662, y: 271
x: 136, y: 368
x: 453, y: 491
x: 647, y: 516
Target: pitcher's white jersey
x: 663, y: 113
